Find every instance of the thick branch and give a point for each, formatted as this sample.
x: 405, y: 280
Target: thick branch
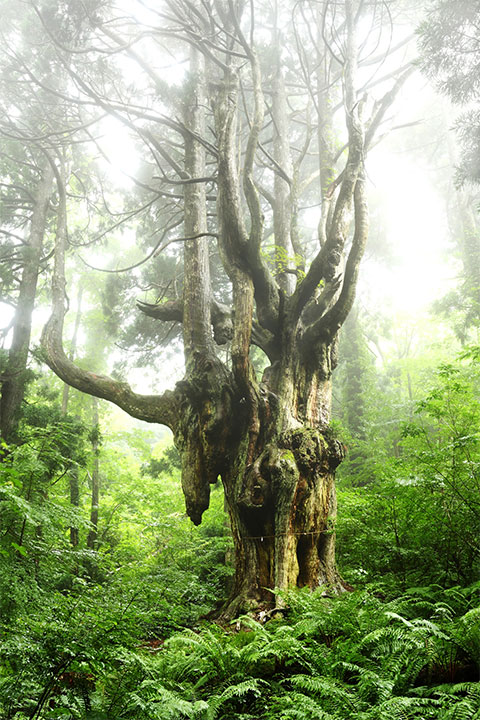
x: 151, y: 408
x: 266, y: 289
x: 327, y: 326
x: 197, y: 334
x: 172, y: 311
x: 282, y: 209
x: 385, y: 103
x: 325, y: 264
x: 238, y: 252
x: 251, y: 193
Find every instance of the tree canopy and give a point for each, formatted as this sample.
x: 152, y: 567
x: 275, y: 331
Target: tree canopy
x: 451, y: 56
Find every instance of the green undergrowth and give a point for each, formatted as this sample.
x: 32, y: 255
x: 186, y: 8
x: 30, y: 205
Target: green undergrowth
x: 355, y: 656
x: 118, y: 631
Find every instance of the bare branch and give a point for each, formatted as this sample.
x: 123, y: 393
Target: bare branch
x: 151, y: 408
x: 327, y: 326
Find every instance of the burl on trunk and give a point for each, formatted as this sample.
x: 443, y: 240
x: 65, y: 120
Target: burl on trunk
x: 272, y: 448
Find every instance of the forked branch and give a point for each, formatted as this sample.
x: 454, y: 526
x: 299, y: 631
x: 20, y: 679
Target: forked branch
x: 151, y: 408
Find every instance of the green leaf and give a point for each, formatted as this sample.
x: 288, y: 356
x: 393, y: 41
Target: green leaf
x: 19, y: 548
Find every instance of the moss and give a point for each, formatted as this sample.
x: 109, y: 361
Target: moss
x: 308, y: 447
x: 287, y: 454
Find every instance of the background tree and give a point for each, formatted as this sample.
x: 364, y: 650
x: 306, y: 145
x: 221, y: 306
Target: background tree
x: 450, y: 49
x: 38, y: 123
x: 353, y: 396
x: 450, y: 55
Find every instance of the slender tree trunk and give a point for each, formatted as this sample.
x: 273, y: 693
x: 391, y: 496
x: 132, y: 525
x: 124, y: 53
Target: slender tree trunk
x: 73, y: 348
x: 93, y: 534
x: 470, y: 254
x: 14, y: 378
x: 282, y: 209
x: 74, y: 487
x: 73, y: 479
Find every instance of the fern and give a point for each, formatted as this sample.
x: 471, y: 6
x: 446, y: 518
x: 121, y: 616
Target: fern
x: 336, y: 659
x: 386, y: 641
x: 156, y: 702
x: 279, y: 644
x: 405, y: 708
x: 460, y: 701
x: 296, y: 706
x: 334, y: 694
x: 203, y: 657
x: 240, y: 691
x: 469, y: 635
x: 371, y: 686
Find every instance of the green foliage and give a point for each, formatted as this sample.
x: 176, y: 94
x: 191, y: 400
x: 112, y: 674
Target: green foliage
x: 106, y: 644
x: 167, y: 463
x: 116, y: 632
x: 334, y: 658
x: 73, y: 621
x: 451, y: 55
x: 419, y: 514
x: 279, y: 259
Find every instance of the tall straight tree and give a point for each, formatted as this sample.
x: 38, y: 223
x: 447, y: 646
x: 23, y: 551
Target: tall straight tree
x: 26, y: 190
x: 37, y: 124
x: 253, y: 134
x: 14, y: 376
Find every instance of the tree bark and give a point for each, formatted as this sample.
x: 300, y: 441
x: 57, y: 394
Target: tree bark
x: 93, y: 533
x: 73, y: 480
x: 15, y: 375
x: 282, y: 207
x: 281, y: 500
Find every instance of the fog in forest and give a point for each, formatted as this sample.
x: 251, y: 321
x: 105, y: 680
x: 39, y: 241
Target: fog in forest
x: 239, y: 352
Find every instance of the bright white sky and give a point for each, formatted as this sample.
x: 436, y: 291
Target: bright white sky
x: 416, y: 227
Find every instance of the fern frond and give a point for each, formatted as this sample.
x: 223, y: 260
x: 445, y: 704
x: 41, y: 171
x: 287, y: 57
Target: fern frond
x: 296, y: 706
x: 469, y: 689
x: 395, y: 616
x: 431, y: 627
x: 460, y: 701
x: 405, y: 708
x: 335, y: 693
x: 443, y: 611
x: 371, y: 686
x: 160, y: 703
x: 281, y: 645
x: 251, y: 686
x: 462, y: 710
x: 386, y: 640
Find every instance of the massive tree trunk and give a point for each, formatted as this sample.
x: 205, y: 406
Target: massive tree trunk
x: 270, y: 443
x: 280, y: 490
